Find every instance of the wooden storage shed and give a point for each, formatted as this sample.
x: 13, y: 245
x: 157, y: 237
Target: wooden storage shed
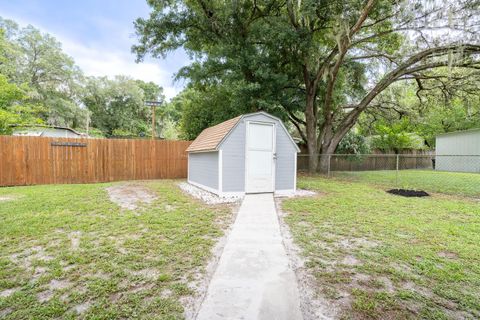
x: 252, y: 153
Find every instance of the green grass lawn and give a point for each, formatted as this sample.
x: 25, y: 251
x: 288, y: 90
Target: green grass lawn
x: 67, y: 251
x: 467, y: 184
x: 381, y: 256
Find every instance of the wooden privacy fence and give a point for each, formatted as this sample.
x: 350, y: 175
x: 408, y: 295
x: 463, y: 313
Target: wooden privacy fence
x: 38, y: 160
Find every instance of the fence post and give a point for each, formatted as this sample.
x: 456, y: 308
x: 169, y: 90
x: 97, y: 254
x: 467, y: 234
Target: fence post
x: 328, y: 170
x: 396, y: 171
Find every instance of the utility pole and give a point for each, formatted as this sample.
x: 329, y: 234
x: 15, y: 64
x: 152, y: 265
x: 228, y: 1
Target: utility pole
x: 153, y: 104
x: 88, y: 121
x: 153, y: 122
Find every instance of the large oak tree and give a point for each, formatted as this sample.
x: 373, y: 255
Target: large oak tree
x: 318, y: 63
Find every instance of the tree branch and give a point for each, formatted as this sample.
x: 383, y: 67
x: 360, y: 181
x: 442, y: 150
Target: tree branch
x: 406, y: 68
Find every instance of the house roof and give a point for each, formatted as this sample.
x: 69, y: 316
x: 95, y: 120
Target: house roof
x: 211, y: 138
x: 41, y: 126
x: 458, y: 132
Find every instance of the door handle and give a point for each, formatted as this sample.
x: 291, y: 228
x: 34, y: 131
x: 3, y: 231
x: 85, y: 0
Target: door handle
x: 274, y: 155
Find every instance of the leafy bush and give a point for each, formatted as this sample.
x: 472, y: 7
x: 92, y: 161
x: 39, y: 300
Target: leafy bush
x: 353, y: 143
x: 394, y: 138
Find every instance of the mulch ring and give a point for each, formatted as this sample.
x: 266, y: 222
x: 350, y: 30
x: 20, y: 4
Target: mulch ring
x: 408, y: 193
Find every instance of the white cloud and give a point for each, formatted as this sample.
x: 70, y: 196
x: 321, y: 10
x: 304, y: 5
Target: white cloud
x: 104, y: 62
x: 97, y: 59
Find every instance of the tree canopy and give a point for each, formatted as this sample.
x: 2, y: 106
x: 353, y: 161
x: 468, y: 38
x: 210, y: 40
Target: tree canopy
x: 117, y: 106
x: 51, y: 78
x: 40, y: 84
x: 318, y: 64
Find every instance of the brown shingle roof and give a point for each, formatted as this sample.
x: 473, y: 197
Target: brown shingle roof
x: 209, y: 138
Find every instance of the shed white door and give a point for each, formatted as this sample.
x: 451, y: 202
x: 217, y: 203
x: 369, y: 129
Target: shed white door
x: 260, y: 157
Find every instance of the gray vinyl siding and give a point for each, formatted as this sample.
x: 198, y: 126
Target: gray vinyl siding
x: 233, y: 152
x: 458, y: 151
x: 203, y: 168
x: 285, y: 165
x: 233, y: 160
x: 46, y: 132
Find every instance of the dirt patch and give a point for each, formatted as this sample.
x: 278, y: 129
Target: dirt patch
x: 356, y: 243
x: 203, y: 276
x: 166, y: 293
x: 129, y: 196
x: 351, y: 260
x: 44, y: 296
x: 387, y: 284
x: 59, y: 284
x: 169, y: 208
x: 313, y: 304
x: 115, y: 297
x: 8, y: 292
x: 5, y: 312
x: 39, y: 271
x: 448, y: 254
x: 75, y: 239
x: 149, y: 273
x: 81, y: 308
x: 411, y: 286
x: 52, y: 287
x: 26, y: 257
x: 141, y: 287
x: 408, y: 193
x: 68, y: 268
x: 7, y: 198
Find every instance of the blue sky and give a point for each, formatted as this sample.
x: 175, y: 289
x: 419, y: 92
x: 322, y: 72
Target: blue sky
x: 98, y: 34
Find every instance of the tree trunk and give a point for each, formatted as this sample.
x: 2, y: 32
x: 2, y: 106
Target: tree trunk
x: 312, y: 158
x: 328, y: 146
x: 323, y: 166
x: 327, y: 149
x: 311, y: 125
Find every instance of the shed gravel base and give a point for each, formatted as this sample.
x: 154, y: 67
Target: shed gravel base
x: 205, y: 196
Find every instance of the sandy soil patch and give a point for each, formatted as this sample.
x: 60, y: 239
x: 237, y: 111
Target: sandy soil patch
x: 130, y: 196
x: 59, y: 284
x: 166, y: 293
x: 75, y: 239
x: 38, y: 272
x: 355, y: 243
x: 7, y: 198
x: 351, y: 260
x: 448, y: 255
x: 202, y: 276
x: 81, y: 308
x: 52, y: 286
x: 8, y: 292
x: 44, y: 296
x: 25, y: 258
x: 149, y: 273
x: 5, y: 312
x: 313, y: 305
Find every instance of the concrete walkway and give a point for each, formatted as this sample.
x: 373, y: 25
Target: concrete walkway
x: 253, y: 279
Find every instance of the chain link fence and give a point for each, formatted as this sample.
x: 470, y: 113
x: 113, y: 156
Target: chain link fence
x: 450, y: 174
